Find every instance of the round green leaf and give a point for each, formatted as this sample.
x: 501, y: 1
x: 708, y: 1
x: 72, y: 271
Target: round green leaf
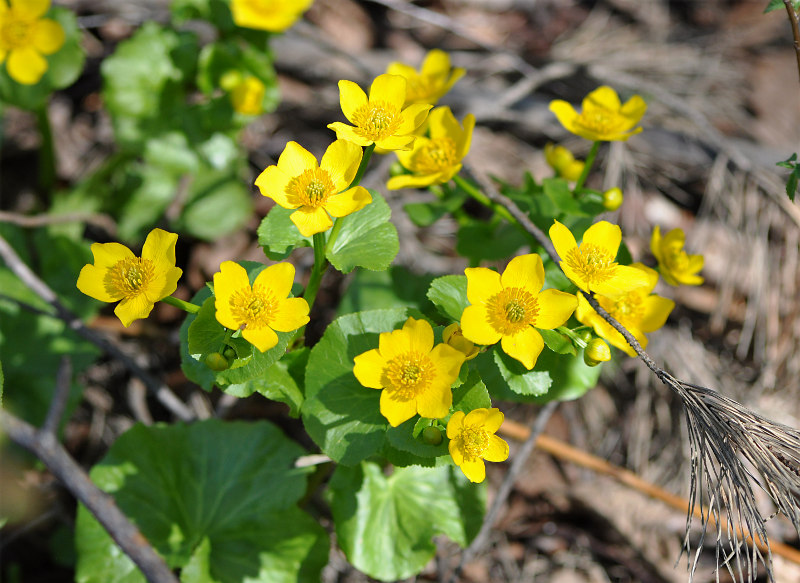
x: 509, y: 380
x: 449, y: 295
x: 217, y: 498
x: 278, y: 236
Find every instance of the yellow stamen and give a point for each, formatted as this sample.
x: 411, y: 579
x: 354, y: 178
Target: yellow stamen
x: 599, y: 122
x: 438, y: 154
x: 129, y: 277
x: 512, y: 310
x: 253, y: 308
x: 311, y: 188
x: 376, y: 120
x: 408, y: 375
x: 15, y: 33
x: 474, y: 441
x: 628, y: 307
x: 592, y: 263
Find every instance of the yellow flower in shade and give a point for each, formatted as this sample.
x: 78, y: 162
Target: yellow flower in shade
x: 472, y: 440
x: 637, y: 309
x: 136, y: 282
x: 415, y: 375
x: 675, y: 265
x: 316, y: 191
x: 603, y: 117
x: 261, y: 309
x: 25, y: 37
x: 453, y: 336
x: 432, y: 81
x: 247, y: 96
x: 591, y: 264
x: 271, y: 15
x: 435, y: 160
x: 380, y: 118
x: 509, y: 307
x: 563, y: 162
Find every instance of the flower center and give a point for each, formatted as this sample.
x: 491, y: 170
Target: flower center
x: 418, y: 88
x: 129, y: 277
x: 598, y: 121
x: 436, y: 155
x: 407, y: 375
x: 512, y: 310
x: 15, y: 33
x: 376, y: 121
x: 627, y: 308
x: 677, y: 259
x: 311, y: 188
x: 592, y: 263
x: 253, y: 308
x: 474, y: 442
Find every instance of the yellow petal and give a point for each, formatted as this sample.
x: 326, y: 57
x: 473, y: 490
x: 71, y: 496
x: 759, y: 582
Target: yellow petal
x: 420, y: 335
x: 369, y: 367
x: 436, y: 63
x: 26, y: 66
x: 276, y: 279
x: 310, y: 221
x: 396, y: 410
x: 482, y: 284
x: 134, y: 308
x: 351, y: 98
x: 262, y: 338
x: 391, y: 89
x: 656, y: 311
x: 48, y: 36
x: 555, y: 308
x: 655, y: 244
x: 634, y: 109
x: 394, y: 343
x: 295, y: 160
x: 448, y: 361
x: 442, y: 122
x: 524, y: 346
x: 91, y: 281
x: 107, y: 255
x: 393, y: 143
x: 413, y: 117
x: 493, y: 421
x: 30, y: 9
x: 231, y: 278
x: 474, y: 470
x: 435, y: 401
x: 524, y: 271
x: 603, y: 97
x: 350, y: 201
x: 455, y: 424
x: 475, y: 326
x: 401, y: 69
x: 625, y: 278
x: 565, y: 113
x: 563, y: 239
x: 272, y: 183
x: 413, y: 181
x: 290, y: 314
x: 497, y: 450
x: 346, y: 132
x: 455, y: 452
x: 159, y: 247
x: 464, y: 142
x: 650, y: 273
x: 341, y: 161
x: 604, y: 235
x: 477, y: 417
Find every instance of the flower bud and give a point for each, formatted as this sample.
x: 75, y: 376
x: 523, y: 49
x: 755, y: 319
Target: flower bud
x: 216, y: 361
x: 229, y: 353
x: 432, y: 435
x: 612, y: 199
x: 452, y: 335
x: 557, y: 157
x: 596, y: 351
x: 573, y: 170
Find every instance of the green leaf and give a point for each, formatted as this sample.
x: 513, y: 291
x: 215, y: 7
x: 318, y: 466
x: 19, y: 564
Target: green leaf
x: 218, y: 204
x: 779, y: 5
x: 385, y: 524
x: 572, y: 378
x: 278, y: 235
x: 216, y: 12
x: 367, y: 239
x: 489, y: 242
x: 148, y: 191
x: 396, y: 287
x: 340, y: 414
x: 471, y: 395
x: 449, y: 295
x: 278, y: 384
x: 406, y: 437
x: 558, y: 342
x: 171, y: 151
x: 794, y: 177
x: 63, y: 67
x: 508, y: 379
x: 228, y: 486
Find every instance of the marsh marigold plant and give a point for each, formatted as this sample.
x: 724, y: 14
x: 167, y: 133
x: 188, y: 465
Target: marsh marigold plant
x: 414, y: 376
x: 592, y: 265
x: 379, y: 118
x: 473, y: 440
x: 261, y: 309
x: 509, y: 307
x: 675, y: 265
x: 435, y: 159
x: 434, y: 79
x: 26, y: 38
x: 603, y: 117
x: 137, y: 283
x: 270, y: 15
x: 317, y: 191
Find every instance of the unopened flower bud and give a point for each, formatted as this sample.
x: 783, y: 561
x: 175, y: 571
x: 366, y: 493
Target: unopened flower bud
x: 432, y: 435
x: 612, y: 199
x: 216, y: 362
x: 452, y: 335
x: 596, y: 351
x: 573, y: 170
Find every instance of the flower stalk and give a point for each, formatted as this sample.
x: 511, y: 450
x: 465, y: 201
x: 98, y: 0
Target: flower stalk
x: 188, y: 307
x: 587, y: 167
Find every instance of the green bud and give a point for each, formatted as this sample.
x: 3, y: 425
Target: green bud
x: 612, y: 199
x: 432, y: 435
x: 216, y: 362
x: 585, y: 336
x: 596, y: 351
x: 229, y: 353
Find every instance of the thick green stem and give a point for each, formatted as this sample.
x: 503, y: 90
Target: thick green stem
x: 587, y: 167
x: 47, y: 157
x: 363, y: 166
x: 320, y: 264
x: 185, y: 306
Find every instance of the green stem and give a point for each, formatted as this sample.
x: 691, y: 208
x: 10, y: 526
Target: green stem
x: 320, y: 264
x: 587, y: 167
x: 47, y: 157
x: 573, y: 335
x: 185, y: 306
x: 363, y: 166
x: 228, y: 334
x: 476, y: 193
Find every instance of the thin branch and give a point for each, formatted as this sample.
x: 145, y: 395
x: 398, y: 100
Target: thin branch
x: 98, y: 219
x: 40, y: 288
x: 45, y: 446
x: 520, y: 458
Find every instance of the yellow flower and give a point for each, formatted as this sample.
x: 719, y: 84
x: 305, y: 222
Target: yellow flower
x: 117, y: 274
x: 434, y: 79
x: 453, y: 336
x: 436, y: 159
x: 379, y: 119
x: 603, y: 117
x: 25, y: 37
x: 509, y: 308
x: 636, y: 309
x: 271, y: 15
x: 247, y: 96
x: 261, y: 309
x: 591, y: 265
x: 472, y: 440
x: 563, y: 162
x: 675, y: 265
x: 415, y: 375
x: 316, y: 191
